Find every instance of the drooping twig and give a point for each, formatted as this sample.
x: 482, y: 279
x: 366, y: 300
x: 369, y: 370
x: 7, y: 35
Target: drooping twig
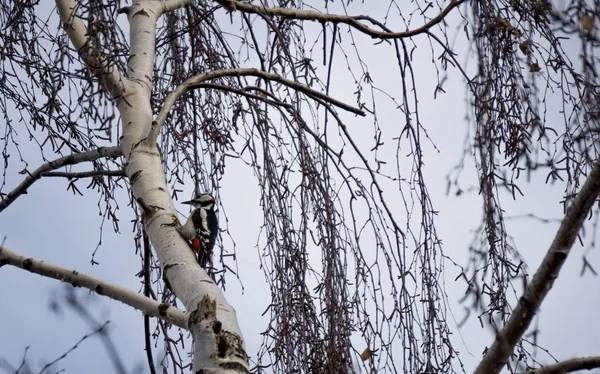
x: 197, y: 80
x: 353, y: 21
x: 106, y: 152
x: 506, y: 339
x: 100, y: 286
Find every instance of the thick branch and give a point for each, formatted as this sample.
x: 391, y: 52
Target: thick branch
x: 544, y: 278
x: 353, y: 21
x: 87, y: 48
x: 111, y: 152
x: 197, y: 80
x: 170, y: 5
x: 146, y: 305
x: 576, y: 364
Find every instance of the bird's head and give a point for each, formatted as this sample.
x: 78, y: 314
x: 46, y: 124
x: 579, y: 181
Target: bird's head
x: 205, y: 200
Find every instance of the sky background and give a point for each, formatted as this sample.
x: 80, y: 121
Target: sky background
x: 53, y: 225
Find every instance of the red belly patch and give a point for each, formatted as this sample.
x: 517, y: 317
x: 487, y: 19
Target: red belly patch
x: 196, y: 245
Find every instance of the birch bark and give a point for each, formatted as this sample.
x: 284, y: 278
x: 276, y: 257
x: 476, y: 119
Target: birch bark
x: 218, y: 343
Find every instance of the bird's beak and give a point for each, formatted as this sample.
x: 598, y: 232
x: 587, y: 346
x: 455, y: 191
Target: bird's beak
x: 187, y: 202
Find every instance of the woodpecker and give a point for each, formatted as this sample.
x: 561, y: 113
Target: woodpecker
x: 202, y: 227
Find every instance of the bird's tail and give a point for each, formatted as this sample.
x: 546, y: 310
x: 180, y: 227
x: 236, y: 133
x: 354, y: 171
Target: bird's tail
x: 205, y: 263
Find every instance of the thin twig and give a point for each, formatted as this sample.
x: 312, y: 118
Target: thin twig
x: 114, y: 356
x: 97, y: 330
x: 147, y: 291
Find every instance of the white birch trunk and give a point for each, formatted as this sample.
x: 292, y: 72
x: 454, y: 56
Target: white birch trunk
x: 218, y: 343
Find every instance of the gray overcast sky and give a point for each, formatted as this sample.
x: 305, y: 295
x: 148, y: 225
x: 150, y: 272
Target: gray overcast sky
x: 51, y: 224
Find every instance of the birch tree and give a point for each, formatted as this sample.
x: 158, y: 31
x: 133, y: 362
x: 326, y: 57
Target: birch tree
x: 158, y: 95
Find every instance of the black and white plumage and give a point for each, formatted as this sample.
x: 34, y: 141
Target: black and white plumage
x: 202, y: 227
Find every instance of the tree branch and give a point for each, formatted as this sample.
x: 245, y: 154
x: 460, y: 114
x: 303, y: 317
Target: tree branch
x: 197, y: 80
x: 506, y: 339
x: 245, y: 92
x: 170, y: 5
x: 85, y: 174
x: 582, y: 363
x: 109, y: 152
x: 353, y: 21
x: 87, y: 48
x: 146, y: 305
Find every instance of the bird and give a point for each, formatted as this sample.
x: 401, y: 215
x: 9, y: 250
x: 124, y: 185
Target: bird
x: 202, y: 227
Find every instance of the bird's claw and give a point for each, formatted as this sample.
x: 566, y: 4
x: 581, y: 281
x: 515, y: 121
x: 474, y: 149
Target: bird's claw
x: 175, y: 223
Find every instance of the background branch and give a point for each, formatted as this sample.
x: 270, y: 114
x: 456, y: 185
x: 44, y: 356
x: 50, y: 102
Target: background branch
x: 108, y: 152
x: 112, y: 351
x: 576, y: 364
x: 100, y: 286
x: 544, y: 278
x: 97, y: 331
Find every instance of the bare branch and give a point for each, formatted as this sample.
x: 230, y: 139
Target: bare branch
x: 146, y: 305
x: 197, y: 80
x: 85, y: 174
x: 353, y: 21
x: 87, y: 48
x: 76, y: 158
x: 582, y: 363
x: 263, y: 96
x: 544, y: 278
